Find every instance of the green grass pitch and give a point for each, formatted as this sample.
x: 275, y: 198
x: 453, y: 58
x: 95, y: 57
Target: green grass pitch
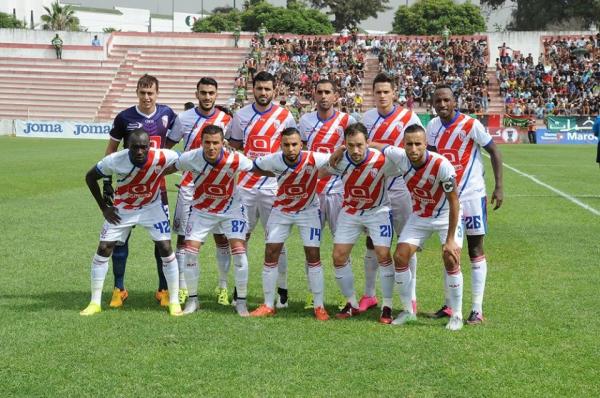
x: 540, y: 338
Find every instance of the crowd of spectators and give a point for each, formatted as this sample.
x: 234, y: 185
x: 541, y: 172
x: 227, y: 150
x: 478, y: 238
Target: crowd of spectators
x: 564, y: 80
x: 419, y: 64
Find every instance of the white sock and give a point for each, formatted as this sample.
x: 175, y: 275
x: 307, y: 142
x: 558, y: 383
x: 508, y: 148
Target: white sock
x: 223, y: 263
x: 478, y: 277
x: 180, y: 255
x: 97, y: 275
x: 386, y: 271
x: 240, y: 263
x: 412, y: 265
x: 315, y: 280
x: 371, y: 267
x: 403, y: 280
x: 345, y: 280
x: 306, y: 269
x: 171, y: 271
x: 455, y: 289
x: 282, y: 269
x: 269, y: 280
x: 192, y: 271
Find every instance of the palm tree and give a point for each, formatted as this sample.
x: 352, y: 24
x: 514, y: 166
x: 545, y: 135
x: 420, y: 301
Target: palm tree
x: 60, y: 18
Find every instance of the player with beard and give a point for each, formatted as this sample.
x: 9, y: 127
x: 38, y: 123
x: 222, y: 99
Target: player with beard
x: 256, y: 129
x: 297, y: 203
x: 323, y: 131
x: 189, y: 126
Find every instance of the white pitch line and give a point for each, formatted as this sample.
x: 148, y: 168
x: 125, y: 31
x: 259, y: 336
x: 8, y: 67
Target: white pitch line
x: 556, y: 191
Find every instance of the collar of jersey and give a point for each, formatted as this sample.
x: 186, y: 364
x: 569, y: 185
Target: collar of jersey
x: 390, y: 113
x: 451, y: 121
x: 262, y: 113
x: 300, y: 157
x: 144, y: 115
x: 361, y: 162
x: 202, y: 116
x: 216, y: 161
x: 328, y: 119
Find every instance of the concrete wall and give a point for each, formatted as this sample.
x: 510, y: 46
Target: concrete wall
x: 27, y: 36
x: 525, y: 42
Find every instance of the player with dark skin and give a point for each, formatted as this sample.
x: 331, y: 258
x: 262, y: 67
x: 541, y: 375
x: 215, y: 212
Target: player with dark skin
x: 139, y: 145
x: 444, y: 104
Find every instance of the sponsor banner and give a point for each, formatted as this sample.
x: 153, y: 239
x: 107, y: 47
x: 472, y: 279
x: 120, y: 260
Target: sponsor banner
x: 61, y: 129
x: 565, y: 124
x: 544, y: 136
x: 515, y: 121
x: 508, y: 135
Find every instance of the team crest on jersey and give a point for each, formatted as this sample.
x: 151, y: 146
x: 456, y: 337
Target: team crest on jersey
x: 431, y: 179
x: 462, y: 134
x: 340, y: 130
x: 277, y: 123
x: 309, y: 169
x: 158, y: 169
x: 374, y: 172
x: 229, y: 173
x: 165, y: 120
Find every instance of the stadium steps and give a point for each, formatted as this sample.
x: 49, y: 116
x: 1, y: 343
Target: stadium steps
x: 496, y: 104
x: 178, y: 69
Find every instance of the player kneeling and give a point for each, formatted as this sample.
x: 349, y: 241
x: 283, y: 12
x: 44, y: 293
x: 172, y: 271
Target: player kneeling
x: 296, y: 203
x: 140, y: 172
x: 430, y: 179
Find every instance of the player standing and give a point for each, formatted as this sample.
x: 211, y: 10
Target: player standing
x: 430, y: 178
x: 323, y: 131
x: 366, y: 205
x: 216, y: 204
x: 256, y: 128
x: 139, y: 171
x: 156, y: 120
x: 460, y: 138
x: 386, y: 124
x: 189, y: 126
x: 297, y: 203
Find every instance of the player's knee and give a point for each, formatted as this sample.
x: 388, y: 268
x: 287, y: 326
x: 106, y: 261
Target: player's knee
x: 383, y: 254
x: 220, y: 239
x: 272, y: 251
x: 313, y: 254
x: 105, y: 249
x: 475, y: 244
x: 450, y: 263
x: 339, y: 258
x: 164, y: 248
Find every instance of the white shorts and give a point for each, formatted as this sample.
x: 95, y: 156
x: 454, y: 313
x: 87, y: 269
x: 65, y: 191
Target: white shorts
x: 377, y: 222
x: 155, y: 218
x: 183, y: 209
x: 308, y: 222
x: 475, y: 216
x: 331, y: 205
x: 418, y: 229
x: 257, y: 204
x: 401, y: 204
x: 233, y: 224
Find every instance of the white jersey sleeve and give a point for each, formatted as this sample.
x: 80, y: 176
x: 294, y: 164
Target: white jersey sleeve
x: 176, y: 132
x: 479, y: 134
x: 321, y: 159
x: 305, y: 127
x: 107, y: 165
x: 234, y: 130
x: 188, y: 160
x: 272, y: 162
x: 446, y: 172
x: 171, y: 157
x: 245, y: 163
x: 397, y: 162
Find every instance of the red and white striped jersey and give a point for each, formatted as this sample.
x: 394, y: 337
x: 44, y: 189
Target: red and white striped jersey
x: 214, y: 183
x: 297, y: 184
x: 364, y: 182
x: 137, y: 186
x: 460, y: 142
x: 425, y: 182
x: 389, y: 129
x: 189, y: 126
x: 260, y: 134
x: 324, y: 136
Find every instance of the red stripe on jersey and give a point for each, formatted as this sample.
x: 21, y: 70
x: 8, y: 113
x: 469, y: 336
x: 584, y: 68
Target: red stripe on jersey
x: 217, y: 185
x: 452, y: 145
x: 299, y: 187
x: 426, y: 197
x: 256, y: 136
x: 327, y: 139
x: 448, y: 131
x: 396, y: 136
x: 196, y: 138
x: 364, y: 195
x: 142, y: 188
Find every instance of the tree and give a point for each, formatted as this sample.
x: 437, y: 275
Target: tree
x: 540, y: 14
x: 9, y: 21
x: 222, y: 10
x: 349, y: 13
x: 60, y: 18
x: 428, y: 17
x: 297, y: 19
